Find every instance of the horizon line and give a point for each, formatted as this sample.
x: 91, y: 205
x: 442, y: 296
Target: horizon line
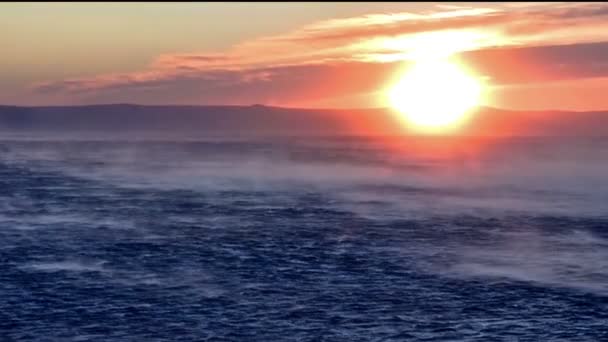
x: 285, y: 107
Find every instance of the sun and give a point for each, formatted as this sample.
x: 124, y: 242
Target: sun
x: 435, y: 95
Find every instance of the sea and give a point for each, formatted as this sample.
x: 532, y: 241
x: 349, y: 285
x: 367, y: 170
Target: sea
x: 303, y: 238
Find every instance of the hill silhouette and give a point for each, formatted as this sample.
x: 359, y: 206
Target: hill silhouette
x: 261, y: 119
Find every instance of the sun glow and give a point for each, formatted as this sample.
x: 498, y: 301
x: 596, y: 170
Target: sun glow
x: 435, y: 94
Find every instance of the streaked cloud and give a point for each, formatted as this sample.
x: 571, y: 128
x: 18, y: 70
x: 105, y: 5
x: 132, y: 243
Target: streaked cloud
x: 527, y: 43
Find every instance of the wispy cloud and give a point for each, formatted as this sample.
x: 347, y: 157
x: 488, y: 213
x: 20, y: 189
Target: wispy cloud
x: 520, y: 44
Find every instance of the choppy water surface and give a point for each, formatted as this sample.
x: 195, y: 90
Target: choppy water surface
x: 303, y: 240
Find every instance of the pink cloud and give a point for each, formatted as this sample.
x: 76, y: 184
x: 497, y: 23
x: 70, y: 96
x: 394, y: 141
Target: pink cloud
x: 345, y: 56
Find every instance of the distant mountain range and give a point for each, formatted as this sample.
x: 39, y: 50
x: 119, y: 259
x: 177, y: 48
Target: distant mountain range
x: 259, y: 119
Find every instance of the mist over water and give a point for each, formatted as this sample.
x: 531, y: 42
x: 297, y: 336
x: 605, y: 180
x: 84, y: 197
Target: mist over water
x: 293, y: 238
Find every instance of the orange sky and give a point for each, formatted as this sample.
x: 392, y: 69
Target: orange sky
x: 533, y: 55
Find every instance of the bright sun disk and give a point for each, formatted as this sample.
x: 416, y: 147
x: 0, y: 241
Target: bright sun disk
x: 435, y: 94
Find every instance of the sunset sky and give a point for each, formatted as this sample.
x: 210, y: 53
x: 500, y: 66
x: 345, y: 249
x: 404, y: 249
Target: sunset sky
x: 531, y: 55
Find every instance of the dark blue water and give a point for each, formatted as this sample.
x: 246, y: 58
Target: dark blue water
x: 303, y: 240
